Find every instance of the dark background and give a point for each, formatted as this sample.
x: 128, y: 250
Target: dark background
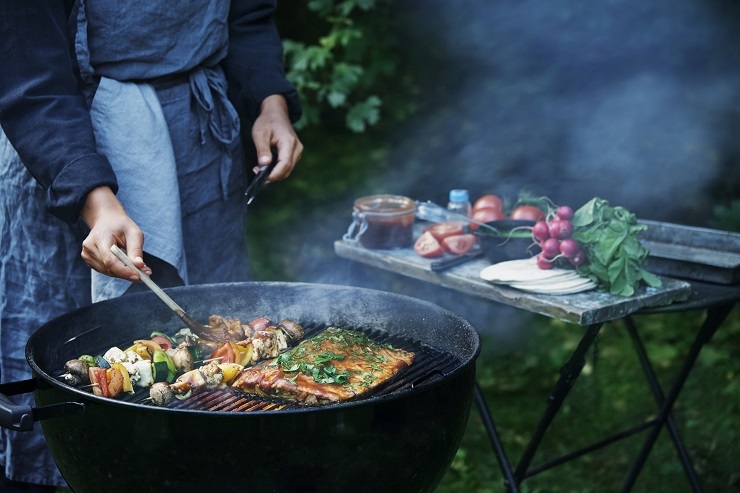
x: 633, y: 101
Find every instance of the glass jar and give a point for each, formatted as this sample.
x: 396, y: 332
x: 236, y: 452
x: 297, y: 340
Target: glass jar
x: 382, y: 221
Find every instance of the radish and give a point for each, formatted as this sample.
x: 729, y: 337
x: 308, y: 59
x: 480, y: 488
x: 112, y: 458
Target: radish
x: 578, y: 258
x: 551, y: 248
x: 569, y: 247
x: 540, y: 231
x: 544, y: 263
x: 561, y: 228
x: 564, y: 212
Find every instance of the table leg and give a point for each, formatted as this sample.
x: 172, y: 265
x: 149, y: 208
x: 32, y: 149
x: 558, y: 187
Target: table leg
x: 569, y: 373
x: 714, y: 319
x: 503, y: 461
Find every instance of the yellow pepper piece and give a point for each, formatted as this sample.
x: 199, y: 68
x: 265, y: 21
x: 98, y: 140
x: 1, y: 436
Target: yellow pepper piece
x: 127, y: 387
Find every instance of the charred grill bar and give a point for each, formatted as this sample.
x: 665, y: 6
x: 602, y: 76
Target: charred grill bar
x: 702, y: 272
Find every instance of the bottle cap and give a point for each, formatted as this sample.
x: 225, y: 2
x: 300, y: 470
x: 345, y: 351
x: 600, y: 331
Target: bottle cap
x: 459, y: 195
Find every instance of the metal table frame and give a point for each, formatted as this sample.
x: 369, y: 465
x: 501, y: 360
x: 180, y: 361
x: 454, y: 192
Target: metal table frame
x: 717, y: 300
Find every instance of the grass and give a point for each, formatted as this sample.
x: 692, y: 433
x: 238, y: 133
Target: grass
x: 611, y: 395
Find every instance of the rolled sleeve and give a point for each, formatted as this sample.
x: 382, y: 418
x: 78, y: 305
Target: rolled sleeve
x: 254, y: 63
x: 67, y: 193
x: 42, y: 109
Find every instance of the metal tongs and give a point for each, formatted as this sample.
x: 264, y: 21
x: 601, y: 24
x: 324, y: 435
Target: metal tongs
x: 203, y: 331
x: 260, y: 178
x: 429, y: 211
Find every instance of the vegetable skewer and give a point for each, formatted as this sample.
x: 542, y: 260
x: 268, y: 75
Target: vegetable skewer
x: 168, y: 369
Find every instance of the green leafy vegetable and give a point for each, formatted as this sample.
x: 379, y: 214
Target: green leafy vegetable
x: 615, y: 256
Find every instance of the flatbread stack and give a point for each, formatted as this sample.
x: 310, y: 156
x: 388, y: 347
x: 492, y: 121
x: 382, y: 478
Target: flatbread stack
x: 524, y: 274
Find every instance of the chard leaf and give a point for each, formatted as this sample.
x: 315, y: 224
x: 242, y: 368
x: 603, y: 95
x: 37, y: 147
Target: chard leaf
x: 615, y: 255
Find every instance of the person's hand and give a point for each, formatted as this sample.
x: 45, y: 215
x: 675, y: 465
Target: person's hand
x: 110, y: 225
x: 273, y: 129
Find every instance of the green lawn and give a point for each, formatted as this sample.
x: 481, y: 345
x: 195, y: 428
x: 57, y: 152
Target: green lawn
x: 610, y: 396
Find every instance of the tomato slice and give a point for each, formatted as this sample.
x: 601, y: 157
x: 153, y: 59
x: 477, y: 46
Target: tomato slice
x: 224, y: 353
x: 428, y: 246
x: 98, y: 380
x: 459, y: 244
x: 441, y: 231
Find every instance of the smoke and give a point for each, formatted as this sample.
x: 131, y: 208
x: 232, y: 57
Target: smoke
x: 636, y: 102
x: 631, y: 101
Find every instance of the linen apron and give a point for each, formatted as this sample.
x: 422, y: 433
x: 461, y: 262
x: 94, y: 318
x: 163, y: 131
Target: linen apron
x: 173, y: 141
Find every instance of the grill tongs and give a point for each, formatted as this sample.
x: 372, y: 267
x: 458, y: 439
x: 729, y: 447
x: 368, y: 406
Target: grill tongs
x: 203, y: 331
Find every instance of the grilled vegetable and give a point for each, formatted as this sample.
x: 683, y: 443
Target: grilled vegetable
x: 147, y: 363
x: 161, y: 394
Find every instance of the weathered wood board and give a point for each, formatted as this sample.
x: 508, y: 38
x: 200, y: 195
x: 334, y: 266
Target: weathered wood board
x: 582, y: 308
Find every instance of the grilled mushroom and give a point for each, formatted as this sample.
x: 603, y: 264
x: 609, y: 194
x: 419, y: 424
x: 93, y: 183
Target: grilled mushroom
x: 161, y: 394
x: 76, y: 372
x: 291, y: 329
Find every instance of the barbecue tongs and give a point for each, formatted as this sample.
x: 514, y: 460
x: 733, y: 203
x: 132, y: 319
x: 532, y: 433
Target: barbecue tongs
x: 260, y: 178
x: 204, y: 331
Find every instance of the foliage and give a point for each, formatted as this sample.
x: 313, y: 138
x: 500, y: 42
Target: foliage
x: 727, y: 217
x: 347, y: 63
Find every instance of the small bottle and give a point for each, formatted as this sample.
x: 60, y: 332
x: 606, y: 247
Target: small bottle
x: 460, y: 202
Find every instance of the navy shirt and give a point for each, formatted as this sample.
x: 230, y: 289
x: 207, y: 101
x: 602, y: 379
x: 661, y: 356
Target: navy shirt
x: 44, y: 112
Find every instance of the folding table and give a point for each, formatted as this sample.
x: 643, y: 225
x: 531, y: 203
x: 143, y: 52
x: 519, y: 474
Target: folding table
x: 590, y: 310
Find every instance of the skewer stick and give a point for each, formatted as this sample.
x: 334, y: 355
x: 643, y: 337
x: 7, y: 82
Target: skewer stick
x: 218, y: 358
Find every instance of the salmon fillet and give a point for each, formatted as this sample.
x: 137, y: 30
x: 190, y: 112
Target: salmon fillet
x: 336, y: 365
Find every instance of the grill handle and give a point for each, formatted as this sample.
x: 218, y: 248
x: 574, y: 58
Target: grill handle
x: 21, y: 417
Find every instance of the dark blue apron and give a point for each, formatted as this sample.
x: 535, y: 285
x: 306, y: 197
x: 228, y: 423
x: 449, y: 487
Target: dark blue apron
x: 181, y: 186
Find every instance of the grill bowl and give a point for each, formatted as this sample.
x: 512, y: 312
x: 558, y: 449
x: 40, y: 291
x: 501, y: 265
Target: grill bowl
x: 403, y: 440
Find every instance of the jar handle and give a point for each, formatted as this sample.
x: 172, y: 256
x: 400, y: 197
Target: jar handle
x: 358, y: 226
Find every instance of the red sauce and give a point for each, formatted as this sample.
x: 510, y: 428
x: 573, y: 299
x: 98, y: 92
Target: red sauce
x: 390, y: 221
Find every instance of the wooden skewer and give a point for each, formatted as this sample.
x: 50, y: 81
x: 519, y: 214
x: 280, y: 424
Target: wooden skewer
x: 218, y: 358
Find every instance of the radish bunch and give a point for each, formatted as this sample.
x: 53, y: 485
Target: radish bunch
x: 554, y: 237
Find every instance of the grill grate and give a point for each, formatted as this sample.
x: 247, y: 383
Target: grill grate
x: 430, y: 364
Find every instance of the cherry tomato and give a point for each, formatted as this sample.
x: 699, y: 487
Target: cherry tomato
x: 459, y: 244
x: 486, y: 215
x: 428, y: 246
x: 527, y: 213
x: 440, y: 231
x: 489, y: 201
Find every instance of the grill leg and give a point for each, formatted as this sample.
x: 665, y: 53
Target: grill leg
x: 714, y: 319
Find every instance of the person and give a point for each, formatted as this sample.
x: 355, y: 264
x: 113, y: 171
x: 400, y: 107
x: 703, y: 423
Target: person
x: 126, y: 124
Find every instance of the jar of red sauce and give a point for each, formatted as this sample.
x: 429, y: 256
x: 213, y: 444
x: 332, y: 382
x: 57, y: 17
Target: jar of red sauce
x: 382, y: 221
